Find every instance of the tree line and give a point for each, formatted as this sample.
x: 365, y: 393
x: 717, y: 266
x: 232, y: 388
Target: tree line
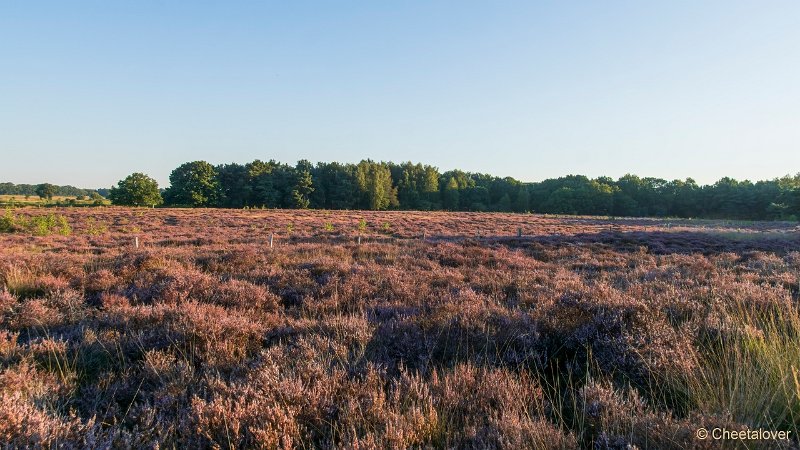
x: 44, y: 190
x: 408, y: 186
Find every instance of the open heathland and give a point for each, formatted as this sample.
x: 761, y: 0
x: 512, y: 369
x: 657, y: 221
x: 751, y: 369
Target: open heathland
x: 205, y: 328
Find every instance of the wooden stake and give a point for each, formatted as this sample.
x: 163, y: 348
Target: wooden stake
x: 359, y: 239
x: 519, y: 232
x: 270, y: 240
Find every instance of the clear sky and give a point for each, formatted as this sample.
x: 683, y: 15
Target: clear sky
x: 92, y: 91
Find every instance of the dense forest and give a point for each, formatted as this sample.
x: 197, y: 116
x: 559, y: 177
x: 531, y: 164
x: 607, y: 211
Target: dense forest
x: 385, y: 185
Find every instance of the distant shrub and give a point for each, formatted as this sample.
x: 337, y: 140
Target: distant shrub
x: 94, y: 227
x: 132, y: 229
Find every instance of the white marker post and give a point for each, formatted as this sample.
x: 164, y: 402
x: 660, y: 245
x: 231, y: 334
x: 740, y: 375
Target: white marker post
x: 136, y: 241
x: 270, y: 240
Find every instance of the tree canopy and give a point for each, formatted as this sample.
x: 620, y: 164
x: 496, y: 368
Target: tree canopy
x: 137, y: 189
x: 46, y: 190
x: 194, y: 184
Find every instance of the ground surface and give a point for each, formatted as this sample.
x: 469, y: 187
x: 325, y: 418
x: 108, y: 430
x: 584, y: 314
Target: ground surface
x: 436, y: 330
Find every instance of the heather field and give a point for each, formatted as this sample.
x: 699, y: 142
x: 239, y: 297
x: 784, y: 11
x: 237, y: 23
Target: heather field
x: 362, y: 330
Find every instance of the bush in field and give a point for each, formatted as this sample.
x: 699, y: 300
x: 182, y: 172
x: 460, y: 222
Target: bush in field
x: 8, y: 223
x: 36, y: 225
x: 49, y: 224
x: 137, y: 189
x: 95, y: 227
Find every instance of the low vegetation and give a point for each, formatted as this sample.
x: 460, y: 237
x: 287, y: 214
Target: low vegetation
x: 438, y: 330
x: 38, y: 225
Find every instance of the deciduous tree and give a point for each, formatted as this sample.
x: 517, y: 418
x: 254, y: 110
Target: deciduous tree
x: 193, y: 184
x: 137, y: 189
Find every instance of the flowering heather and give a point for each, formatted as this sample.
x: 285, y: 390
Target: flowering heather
x: 438, y: 330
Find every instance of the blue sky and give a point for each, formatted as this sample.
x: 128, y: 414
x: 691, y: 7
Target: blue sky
x: 92, y: 91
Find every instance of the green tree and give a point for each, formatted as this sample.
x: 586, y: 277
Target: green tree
x: 428, y: 186
x: 270, y: 184
x: 137, y: 189
x: 374, y: 182
x: 522, y: 202
x: 334, y: 186
x: 261, y: 182
x: 193, y: 184
x: 46, y: 190
x: 417, y: 186
x: 505, y: 203
x: 577, y: 194
x: 450, y: 196
x: 234, y: 183
x: 406, y: 176
x: 303, y: 185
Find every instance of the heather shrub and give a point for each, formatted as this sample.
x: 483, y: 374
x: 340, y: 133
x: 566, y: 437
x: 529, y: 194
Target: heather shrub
x: 24, y: 425
x: 8, y: 346
x: 7, y: 302
x: 199, y: 333
x: 35, y: 314
x: 108, y: 300
x: 614, y: 418
x: 483, y: 408
x: 102, y: 280
x: 624, y: 337
x: 245, y: 295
